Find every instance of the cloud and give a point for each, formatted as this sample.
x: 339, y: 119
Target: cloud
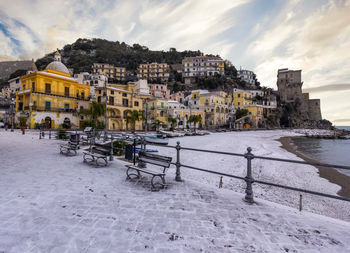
x: 157, y: 24
x: 342, y: 120
x: 328, y: 88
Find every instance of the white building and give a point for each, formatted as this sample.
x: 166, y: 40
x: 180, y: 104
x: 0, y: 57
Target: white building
x: 247, y: 76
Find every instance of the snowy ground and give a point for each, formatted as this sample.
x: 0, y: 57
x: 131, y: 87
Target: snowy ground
x: 52, y: 203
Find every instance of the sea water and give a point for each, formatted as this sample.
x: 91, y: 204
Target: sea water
x: 331, y: 151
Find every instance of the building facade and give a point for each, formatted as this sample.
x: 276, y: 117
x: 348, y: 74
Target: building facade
x: 201, y: 66
x: 110, y: 71
x: 51, y: 97
x: 247, y: 76
x: 119, y: 102
x: 154, y: 72
x: 159, y: 90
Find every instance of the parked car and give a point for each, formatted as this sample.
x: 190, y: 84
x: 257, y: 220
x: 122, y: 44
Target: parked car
x: 2, y: 124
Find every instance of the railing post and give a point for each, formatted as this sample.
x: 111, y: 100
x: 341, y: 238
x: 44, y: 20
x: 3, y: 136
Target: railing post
x: 50, y: 134
x: 134, y: 152
x: 39, y: 133
x: 112, y: 149
x: 249, y: 179
x: 178, y: 164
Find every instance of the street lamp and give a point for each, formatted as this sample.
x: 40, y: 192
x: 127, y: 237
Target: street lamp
x: 105, y: 97
x: 13, y: 102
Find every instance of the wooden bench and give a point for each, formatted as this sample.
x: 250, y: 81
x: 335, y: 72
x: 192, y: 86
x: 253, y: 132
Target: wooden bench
x: 98, y: 156
x: 69, y: 149
x: 158, y: 177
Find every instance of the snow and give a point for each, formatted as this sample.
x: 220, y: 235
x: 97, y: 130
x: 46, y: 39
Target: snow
x: 53, y: 203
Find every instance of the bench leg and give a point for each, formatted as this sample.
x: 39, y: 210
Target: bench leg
x: 88, y: 158
x: 156, y: 185
x: 130, y: 173
x: 101, y: 164
x: 72, y: 152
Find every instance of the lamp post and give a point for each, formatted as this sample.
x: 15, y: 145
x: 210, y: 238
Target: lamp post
x: 105, y: 96
x: 13, y: 102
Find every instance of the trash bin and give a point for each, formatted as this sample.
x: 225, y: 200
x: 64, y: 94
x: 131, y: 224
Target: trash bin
x: 75, y: 138
x: 129, y: 150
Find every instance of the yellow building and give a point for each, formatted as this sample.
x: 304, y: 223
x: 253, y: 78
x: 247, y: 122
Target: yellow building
x: 256, y: 113
x: 119, y: 101
x: 158, y: 109
x: 213, y: 104
x: 51, y: 96
x: 183, y: 113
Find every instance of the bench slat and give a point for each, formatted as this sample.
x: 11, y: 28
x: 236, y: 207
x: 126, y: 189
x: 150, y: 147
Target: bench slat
x: 155, y: 162
x: 154, y: 173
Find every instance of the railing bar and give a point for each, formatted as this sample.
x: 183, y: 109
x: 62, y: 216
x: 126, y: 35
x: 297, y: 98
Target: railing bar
x: 303, y: 162
x: 213, y: 172
x: 302, y: 190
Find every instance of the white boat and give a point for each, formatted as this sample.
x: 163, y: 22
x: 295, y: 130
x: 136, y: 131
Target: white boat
x: 156, y: 140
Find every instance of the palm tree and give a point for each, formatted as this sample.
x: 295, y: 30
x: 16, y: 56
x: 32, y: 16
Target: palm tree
x: 172, y: 122
x: 132, y: 116
x: 195, y: 119
x: 156, y: 124
x: 95, y: 111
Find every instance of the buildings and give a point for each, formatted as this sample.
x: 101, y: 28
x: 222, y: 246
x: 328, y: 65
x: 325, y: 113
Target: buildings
x: 183, y: 113
x: 290, y: 91
x: 119, y: 102
x: 154, y: 72
x: 110, y: 71
x: 247, y: 76
x: 159, y: 90
x: 51, y: 96
x: 201, y: 66
x: 178, y: 96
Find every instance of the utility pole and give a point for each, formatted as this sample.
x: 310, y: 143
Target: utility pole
x: 13, y: 102
x: 105, y: 96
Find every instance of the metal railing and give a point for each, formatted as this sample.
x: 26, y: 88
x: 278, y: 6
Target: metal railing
x: 249, y: 156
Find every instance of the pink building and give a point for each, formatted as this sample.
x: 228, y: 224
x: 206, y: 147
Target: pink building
x: 178, y: 96
x: 159, y: 90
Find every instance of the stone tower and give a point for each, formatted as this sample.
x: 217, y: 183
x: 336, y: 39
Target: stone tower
x: 289, y: 85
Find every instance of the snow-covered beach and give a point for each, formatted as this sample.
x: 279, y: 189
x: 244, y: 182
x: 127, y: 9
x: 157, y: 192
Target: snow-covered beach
x: 53, y: 203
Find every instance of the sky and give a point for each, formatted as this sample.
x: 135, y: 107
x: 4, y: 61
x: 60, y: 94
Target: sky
x: 259, y: 35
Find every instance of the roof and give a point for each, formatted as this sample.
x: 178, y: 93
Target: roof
x: 58, y: 66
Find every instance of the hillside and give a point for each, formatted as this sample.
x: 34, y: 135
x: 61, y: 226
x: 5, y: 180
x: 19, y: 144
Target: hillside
x: 84, y: 52
x: 8, y: 67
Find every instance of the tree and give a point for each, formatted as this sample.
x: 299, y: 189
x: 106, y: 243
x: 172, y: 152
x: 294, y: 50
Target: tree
x: 132, y: 116
x: 157, y: 124
x: 172, y: 122
x: 241, y: 113
x: 195, y: 119
x: 95, y: 111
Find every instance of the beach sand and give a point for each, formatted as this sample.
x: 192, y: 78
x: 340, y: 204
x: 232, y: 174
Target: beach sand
x: 332, y: 175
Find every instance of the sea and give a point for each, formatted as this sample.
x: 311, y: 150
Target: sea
x: 330, y: 151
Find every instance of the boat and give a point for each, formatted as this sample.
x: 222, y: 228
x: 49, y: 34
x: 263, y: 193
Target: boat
x: 157, y: 140
x: 147, y: 150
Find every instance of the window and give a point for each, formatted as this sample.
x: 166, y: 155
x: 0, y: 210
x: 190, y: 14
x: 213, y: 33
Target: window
x: 136, y: 103
x: 239, y: 95
x: 17, y: 80
x: 33, y: 86
x: 99, y: 92
x: 125, y: 95
x: 125, y: 102
x: 162, y: 105
x: 66, y: 107
x: 47, y: 105
x: 111, y: 100
x: 66, y: 91
x: 82, y: 94
x: 47, y: 88
x: 24, y: 86
x: 99, y: 99
x: 112, y: 92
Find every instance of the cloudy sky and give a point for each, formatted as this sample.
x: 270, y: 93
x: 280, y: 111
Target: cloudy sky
x: 260, y: 35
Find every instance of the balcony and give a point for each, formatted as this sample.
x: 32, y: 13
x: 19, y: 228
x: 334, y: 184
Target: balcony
x: 52, y: 109
x: 60, y: 94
